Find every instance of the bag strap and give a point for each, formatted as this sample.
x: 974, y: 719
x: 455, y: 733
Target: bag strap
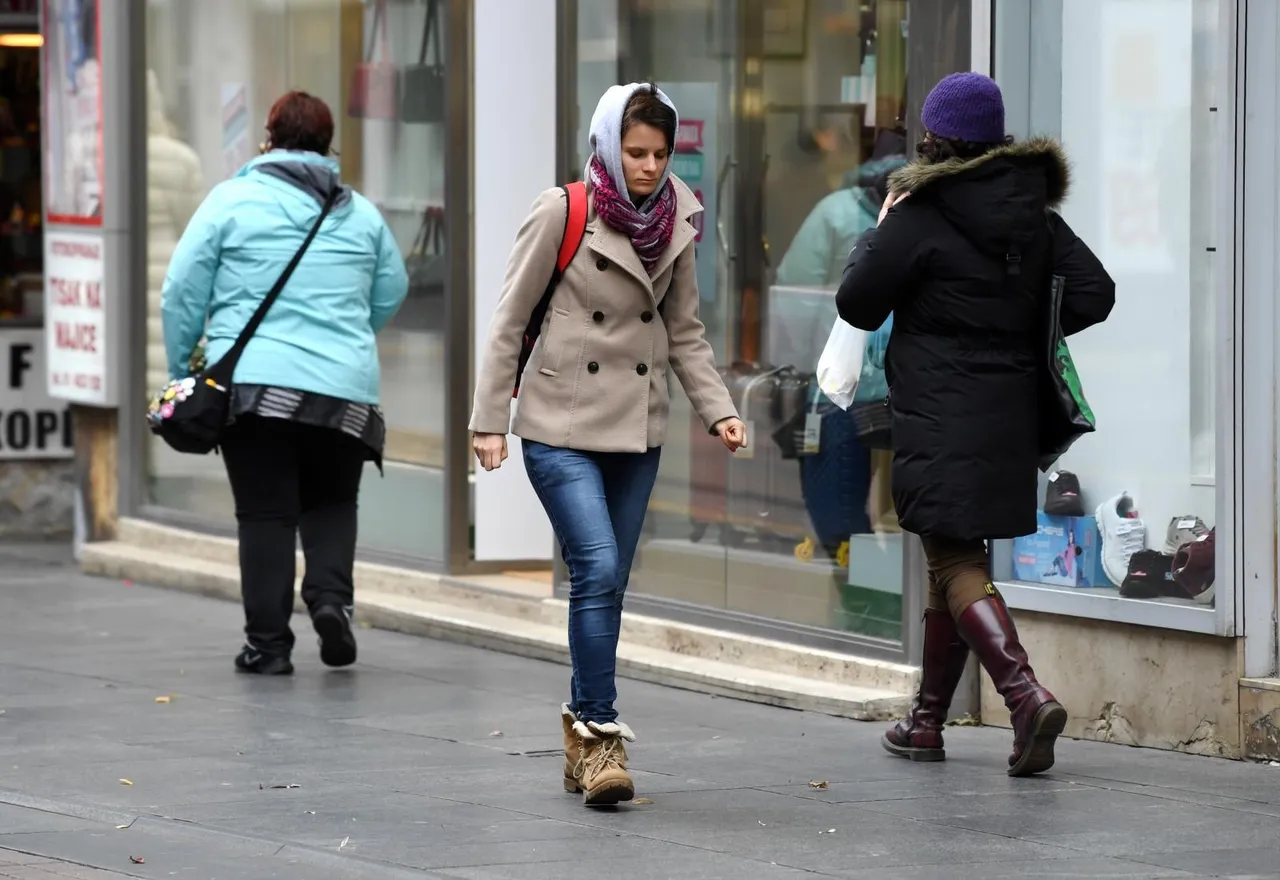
x: 431, y: 31
x: 377, y: 33
x: 575, y: 228
x: 258, y: 316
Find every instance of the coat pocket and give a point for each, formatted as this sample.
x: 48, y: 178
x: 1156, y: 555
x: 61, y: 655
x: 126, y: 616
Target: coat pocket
x: 553, y: 343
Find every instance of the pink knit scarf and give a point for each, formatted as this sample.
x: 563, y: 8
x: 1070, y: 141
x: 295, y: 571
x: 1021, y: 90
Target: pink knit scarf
x: 649, y: 233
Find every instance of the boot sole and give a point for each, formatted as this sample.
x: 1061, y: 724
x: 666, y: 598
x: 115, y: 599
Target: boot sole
x: 924, y: 756
x: 1046, y: 727
x: 609, y: 794
x: 337, y: 644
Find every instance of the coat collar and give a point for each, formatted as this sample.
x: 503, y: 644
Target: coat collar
x: 616, y: 247
x: 1043, y: 150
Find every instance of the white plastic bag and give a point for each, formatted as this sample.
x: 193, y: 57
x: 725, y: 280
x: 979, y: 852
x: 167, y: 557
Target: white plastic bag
x: 841, y: 363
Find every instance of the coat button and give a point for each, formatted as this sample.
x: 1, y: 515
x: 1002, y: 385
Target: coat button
x: 602, y: 265
x: 642, y: 369
x: 598, y: 317
x: 593, y: 368
x: 646, y: 317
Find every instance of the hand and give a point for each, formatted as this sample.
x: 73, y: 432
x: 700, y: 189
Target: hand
x: 490, y: 449
x: 889, y: 201
x: 733, y: 434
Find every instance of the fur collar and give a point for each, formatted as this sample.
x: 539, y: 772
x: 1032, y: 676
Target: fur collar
x: 1046, y: 150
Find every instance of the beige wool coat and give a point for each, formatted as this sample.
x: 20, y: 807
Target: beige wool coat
x: 597, y: 377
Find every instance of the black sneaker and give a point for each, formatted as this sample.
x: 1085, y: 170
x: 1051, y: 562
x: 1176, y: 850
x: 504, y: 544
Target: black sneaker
x: 1062, y: 497
x: 251, y: 660
x: 1150, y: 573
x: 337, y: 642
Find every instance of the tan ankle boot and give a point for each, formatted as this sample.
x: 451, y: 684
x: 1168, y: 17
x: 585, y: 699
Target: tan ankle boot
x: 572, y: 748
x: 601, y: 772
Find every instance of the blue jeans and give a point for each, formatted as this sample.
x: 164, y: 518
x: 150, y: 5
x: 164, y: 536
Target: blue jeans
x: 596, y: 502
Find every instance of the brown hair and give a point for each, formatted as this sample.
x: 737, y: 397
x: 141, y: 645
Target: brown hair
x: 934, y: 149
x: 300, y: 121
x: 646, y: 108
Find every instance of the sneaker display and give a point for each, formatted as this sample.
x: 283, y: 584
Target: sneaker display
x: 1184, y: 530
x: 1149, y: 575
x: 1193, y: 568
x: 1062, y: 496
x: 1123, y: 534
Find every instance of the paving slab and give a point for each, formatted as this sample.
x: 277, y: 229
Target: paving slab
x: 431, y: 759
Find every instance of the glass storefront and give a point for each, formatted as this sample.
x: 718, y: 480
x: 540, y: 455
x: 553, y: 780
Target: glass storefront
x: 214, y: 69
x: 791, y: 115
x: 1132, y: 88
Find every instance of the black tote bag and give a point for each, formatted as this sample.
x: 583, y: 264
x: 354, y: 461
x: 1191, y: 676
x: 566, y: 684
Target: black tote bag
x: 422, y: 84
x: 1065, y: 414
x: 190, y: 414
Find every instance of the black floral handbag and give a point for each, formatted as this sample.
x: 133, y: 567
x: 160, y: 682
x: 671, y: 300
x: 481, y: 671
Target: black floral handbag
x: 190, y: 414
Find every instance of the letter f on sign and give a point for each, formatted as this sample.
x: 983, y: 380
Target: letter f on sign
x: 19, y: 363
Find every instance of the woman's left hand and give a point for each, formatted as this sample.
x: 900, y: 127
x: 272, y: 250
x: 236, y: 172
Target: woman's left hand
x: 889, y: 201
x: 733, y: 433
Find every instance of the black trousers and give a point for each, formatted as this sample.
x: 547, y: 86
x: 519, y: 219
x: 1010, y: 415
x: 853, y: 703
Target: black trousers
x: 290, y: 479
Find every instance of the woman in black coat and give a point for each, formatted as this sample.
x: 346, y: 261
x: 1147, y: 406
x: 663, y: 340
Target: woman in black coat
x: 963, y: 255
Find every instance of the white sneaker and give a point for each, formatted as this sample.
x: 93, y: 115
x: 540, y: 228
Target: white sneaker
x: 1123, y: 534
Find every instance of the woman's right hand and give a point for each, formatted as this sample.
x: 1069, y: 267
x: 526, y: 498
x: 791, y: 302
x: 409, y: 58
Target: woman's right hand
x: 490, y: 449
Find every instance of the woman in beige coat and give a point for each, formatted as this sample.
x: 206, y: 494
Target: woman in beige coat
x: 592, y: 412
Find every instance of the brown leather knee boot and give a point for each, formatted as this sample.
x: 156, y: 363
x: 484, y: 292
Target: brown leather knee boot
x: 1037, y: 717
x: 919, y: 735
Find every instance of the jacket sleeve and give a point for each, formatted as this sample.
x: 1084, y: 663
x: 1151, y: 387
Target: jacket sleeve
x: 1089, y: 292
x: 882, y: 266
x: 390, y: 281
x: 529, y: 268
x: 188, y: 285
x: 690, y: 355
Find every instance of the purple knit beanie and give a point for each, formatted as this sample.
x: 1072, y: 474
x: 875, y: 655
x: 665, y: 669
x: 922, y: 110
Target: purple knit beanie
x: 965, y: 107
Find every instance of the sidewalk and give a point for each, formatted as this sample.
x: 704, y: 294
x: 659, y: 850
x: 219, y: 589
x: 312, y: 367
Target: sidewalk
x: 434, y: 760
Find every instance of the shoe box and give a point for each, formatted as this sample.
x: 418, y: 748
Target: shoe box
x: 1065, y: 551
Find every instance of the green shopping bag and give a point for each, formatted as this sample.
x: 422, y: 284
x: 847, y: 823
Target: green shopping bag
x: 1065, y: 414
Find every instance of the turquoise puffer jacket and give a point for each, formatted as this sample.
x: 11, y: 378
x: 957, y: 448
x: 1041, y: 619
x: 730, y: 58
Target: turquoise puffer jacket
x: 319, y: 334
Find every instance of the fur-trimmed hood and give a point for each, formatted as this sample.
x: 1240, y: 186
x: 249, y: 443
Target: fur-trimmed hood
x: 1044, y: 152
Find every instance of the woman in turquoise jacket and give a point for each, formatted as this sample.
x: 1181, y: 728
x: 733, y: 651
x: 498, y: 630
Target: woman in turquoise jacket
x: 305, y: 401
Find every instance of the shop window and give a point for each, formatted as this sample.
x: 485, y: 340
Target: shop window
x: 1135, y: 102
x: 21, y: 232
x: 214, y: 69
x: 792, y: 113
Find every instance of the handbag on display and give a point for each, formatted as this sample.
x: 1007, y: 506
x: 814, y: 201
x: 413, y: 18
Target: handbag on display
x: 422, y: 91
x: 1065, y: 414
x: 190, y: 414
x: 425, y: 263
x: 375, y: 84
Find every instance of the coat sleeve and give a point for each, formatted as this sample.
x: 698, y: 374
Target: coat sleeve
x: 529, y: 268
x: 1089, y: 292
x: 390, y: 281
x: 882, y: 266
x: 691, y: 356
x: 188, y: 285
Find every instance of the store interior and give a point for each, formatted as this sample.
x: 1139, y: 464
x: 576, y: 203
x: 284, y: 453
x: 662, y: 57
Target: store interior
x: 21, y: 238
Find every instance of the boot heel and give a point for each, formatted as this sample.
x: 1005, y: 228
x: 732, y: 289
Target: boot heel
x: 1048, y: 724
x: 571, y: 785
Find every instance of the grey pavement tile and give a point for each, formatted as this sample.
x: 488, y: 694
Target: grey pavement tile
x: 1147, y: 834
x: 684, y: 865
x: 1261, y: 861
x: 23, y: 820
x: 1058, y: 869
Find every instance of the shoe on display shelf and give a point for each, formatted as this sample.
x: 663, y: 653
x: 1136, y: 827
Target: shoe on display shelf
x: 1184, y: 530
x: 1123, y: 534
x: 1062, y: 496
x: 1149, y: 575
x: 1194, y: 567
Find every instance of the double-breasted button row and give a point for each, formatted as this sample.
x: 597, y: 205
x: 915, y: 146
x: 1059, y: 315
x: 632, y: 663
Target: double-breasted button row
x: 598, y: 317
x: 593, y: 367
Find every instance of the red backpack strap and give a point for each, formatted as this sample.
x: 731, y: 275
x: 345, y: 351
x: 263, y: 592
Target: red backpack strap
x: 575, y: 227
x: 575, y: 224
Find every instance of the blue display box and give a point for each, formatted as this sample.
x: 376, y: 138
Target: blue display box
x: 1065, y: 551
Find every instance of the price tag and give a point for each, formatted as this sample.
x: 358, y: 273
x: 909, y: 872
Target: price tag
x: 1053, y: 477
x: 812, y: 434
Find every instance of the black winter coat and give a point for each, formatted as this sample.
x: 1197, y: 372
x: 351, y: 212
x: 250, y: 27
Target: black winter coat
x: 964, y: 263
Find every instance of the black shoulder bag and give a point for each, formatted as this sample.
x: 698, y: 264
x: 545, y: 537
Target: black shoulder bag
x: 190, y: 414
